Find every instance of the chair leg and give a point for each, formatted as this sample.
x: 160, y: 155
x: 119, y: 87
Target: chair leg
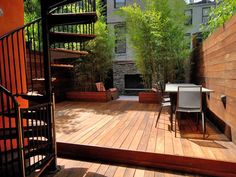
x: 197, y: 120
x: 159, y: 115
x: 175, y: 124
x: 203, y: 125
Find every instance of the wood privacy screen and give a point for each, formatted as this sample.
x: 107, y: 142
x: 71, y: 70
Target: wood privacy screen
x: 215, y: 68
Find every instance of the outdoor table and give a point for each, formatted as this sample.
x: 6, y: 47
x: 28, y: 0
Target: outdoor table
x: 172, y: 89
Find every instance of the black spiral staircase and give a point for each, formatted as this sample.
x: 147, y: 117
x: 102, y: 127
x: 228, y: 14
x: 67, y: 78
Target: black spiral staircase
x: 28, y: 56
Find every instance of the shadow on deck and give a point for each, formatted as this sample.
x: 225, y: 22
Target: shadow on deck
x: 124, y: 132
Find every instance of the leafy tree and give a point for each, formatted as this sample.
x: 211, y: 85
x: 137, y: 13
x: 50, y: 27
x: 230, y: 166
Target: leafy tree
x: 157, y: 36
x: 98, y: 63
x: 32, y: 10
x: 223, y: 11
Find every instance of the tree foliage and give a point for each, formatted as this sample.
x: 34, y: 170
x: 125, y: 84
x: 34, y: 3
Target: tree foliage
x: 102, y: 48
x: 157, y: 36
x: 223, y: 11
x: 32, y: 10
x: 98, y: 63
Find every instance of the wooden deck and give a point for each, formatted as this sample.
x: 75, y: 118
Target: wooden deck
x: 130, y: 125
x: 72, y: 168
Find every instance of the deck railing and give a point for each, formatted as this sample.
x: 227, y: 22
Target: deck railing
x: 26, y: 136
x: 21, y: 58
x: 83, y: 6
x: 11, y: 140
x: 38, y: 144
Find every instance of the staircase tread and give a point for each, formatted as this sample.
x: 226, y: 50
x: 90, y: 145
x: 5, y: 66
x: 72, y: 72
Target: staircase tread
x: 58, y: 3
x: 67, y: 37
x: 75, y: 14
x: 43, y: 79
x: 72, y: 18
x: 69, y: 51
x: 72, y: 34
x: 62, y: 65
x: 32, y: 93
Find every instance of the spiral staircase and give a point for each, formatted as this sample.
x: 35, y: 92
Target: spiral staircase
x: 28, y: 56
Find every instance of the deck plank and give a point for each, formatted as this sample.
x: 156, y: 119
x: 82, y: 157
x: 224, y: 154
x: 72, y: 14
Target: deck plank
x: 131, y: 125
x: 73, y: 168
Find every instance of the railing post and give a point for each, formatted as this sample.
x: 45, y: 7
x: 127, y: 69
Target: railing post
x: 46, y: 55
x: 47, y: 74
x: 53, y: 130
x: 21, y: 142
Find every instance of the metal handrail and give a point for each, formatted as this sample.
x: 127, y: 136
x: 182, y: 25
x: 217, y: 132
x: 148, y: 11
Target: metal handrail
x: 19, y: 126
x: 20, y: 28
x: 21, y: 53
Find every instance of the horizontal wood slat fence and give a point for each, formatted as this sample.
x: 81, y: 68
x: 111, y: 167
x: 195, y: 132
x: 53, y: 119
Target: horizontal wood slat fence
x: 215, y: 68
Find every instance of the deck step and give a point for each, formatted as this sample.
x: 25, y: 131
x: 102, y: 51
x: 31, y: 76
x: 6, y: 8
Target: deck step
x: 62, y: 66
x: 56, y: 3
x: 59, y: 53
x: 34, y: 96
x: 72, y: 18
x: 43, y: 79
x: 62, y: 37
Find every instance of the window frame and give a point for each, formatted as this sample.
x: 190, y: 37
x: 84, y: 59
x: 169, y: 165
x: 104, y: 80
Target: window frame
x: 115, y: 5
x: 191, y: 21
x: 204, y: 16
x: 120, y: 40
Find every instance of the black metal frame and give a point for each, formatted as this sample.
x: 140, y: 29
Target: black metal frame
x: 11, y: 158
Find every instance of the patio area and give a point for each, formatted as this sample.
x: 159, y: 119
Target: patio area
x: 129, y: 125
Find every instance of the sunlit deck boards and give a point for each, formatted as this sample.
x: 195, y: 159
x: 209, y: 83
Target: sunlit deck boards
x: 130, y: 125
x: 72, y: 168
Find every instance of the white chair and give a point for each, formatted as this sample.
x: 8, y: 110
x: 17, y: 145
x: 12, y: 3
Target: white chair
x: 189, y: 100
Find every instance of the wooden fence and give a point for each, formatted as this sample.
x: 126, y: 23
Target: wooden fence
x: 215, y: 68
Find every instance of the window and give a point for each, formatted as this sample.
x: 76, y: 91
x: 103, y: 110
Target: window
x: 205, y: 14
x: 189, y: 17
x: 120, y: 34
x: 119, y: 3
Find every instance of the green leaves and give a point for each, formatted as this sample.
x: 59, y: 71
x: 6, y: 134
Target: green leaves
x: 156, y: 34
x: 223, y: 11
x: 32, y: 10
x: 102, y: 51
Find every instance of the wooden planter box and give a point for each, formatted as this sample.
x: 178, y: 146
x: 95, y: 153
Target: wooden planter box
x: 89, y: 96
x: 149, y: 97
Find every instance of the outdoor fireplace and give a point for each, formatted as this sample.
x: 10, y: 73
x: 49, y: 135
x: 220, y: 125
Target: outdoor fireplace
x: 133, y: 84
x: 133, y: 81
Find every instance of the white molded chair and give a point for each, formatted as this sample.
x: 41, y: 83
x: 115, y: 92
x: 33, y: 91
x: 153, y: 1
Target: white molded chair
x: 189, y: 100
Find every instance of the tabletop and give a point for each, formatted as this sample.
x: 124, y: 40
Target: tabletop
x: 173, y: 88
